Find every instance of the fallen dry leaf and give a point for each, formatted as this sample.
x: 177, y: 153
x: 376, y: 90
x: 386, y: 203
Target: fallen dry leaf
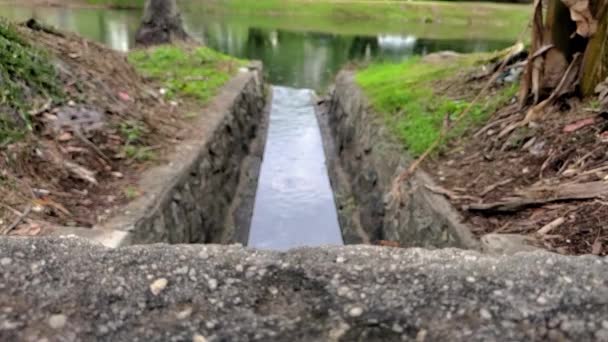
x: 47, y: 202
x: 66, y: 136
x: 124, y: 96
x: 578, y: 125
x: 596, y: 249
x: 29, y: 229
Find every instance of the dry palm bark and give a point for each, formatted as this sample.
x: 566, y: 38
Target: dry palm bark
x: 571, y: 27
x: 539, y: 195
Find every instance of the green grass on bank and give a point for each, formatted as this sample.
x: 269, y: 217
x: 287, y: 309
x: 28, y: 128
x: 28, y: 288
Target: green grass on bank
x: 27, y: 80
x: 384, y: 13
x: 421, y: 11
x: 193, y: 72
x: 118, y: 3
x: 403, y: 94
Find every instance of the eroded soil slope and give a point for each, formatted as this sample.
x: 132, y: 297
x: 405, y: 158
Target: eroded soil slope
x: 80, y: 123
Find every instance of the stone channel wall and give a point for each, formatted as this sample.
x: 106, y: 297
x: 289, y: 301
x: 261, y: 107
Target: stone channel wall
x: 190, y: 199
x: 366, y: 161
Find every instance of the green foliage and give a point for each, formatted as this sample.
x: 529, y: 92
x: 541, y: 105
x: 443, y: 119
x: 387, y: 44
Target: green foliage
x: 26, y: 75
x: 195, y: 73
x: 132, y: 131
x: 403, y: 94
x: 139, y: 153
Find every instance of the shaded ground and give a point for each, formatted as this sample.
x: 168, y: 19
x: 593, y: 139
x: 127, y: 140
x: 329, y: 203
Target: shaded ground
x: 69, y: 157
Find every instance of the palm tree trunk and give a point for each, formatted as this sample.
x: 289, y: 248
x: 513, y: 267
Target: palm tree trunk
x: 595, y: 60
x: 161, y: 24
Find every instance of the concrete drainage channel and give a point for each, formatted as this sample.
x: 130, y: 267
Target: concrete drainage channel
x: 207, y: 193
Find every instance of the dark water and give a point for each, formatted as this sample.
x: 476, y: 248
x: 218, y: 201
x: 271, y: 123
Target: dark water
x: 292, y: 57
x: 294, y: 204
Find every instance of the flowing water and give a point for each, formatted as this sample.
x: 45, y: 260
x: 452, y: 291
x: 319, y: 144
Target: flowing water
x: 294, y: 203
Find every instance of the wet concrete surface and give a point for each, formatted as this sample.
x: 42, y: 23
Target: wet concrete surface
x: 294, y: 203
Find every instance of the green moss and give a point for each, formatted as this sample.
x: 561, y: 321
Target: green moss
x: 196, y: 73
x: 403, y: 94
x: 27, y: 77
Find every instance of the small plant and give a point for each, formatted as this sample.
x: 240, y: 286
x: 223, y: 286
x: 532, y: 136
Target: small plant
x: 139, y: 153
x: 131, y: 192
x: 132, y: 131
x: 595, y: 105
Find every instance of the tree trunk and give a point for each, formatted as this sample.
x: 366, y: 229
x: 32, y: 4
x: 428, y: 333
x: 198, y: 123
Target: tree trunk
x: 161, y: 24
x: 595, y: 60
x: 556, y: 41
x: 560, y: 27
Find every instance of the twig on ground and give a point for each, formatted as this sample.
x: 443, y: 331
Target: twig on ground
x: 450, y: 194
x: 592, y: 171
x: 492, y: 125
x: 494, y: 186
x: 91, y: 145
x: 79, y: 171
x: 17, y: 221
x: 551, y: 225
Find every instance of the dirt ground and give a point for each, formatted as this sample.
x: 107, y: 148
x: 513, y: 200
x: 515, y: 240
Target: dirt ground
x: 544, y: 180
x: 85, y: 154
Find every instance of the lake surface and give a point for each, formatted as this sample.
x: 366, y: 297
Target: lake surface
x: 306, y: 54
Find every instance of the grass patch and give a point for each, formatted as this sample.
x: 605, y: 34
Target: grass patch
x: 27, y: 78
x: 445, y: 12
x: 191, y: 72
x: 124, y: 4
x: 403, y: 93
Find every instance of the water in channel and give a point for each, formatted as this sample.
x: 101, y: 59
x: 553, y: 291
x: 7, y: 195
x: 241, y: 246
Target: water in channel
x: 294, y: 204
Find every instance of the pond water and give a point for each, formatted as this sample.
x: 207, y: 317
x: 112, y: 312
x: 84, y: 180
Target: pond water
x: 304, y: 54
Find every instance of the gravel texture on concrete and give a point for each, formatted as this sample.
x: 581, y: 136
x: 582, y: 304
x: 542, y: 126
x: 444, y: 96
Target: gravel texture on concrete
x: 68, y: 289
